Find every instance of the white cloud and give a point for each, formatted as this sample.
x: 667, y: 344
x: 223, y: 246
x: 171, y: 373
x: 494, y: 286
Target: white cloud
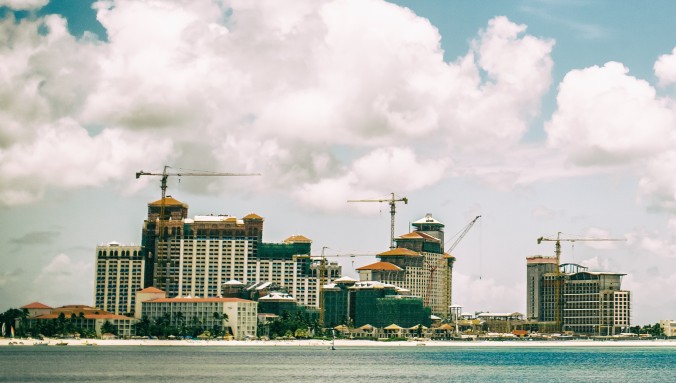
x: 373, y: 176
x: 605, y: 116
x: 486, y: 294
x: 297, y: 92
x: 665, y: 68
x: 23, y: 5
x: 54, y: 283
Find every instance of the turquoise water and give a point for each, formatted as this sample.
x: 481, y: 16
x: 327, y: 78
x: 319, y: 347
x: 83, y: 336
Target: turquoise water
x: 349, y: 364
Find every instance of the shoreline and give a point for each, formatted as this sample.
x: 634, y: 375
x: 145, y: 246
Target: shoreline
x: 338, y: 343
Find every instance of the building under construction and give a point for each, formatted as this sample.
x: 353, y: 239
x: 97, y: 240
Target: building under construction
x: 575, y: 299
x: 197, y: 256
x: 419, y: 264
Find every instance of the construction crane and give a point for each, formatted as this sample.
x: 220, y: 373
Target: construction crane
x: 447, y: 274
x: 163, y: 186
x: 392, y: 202
x: 557, y: 283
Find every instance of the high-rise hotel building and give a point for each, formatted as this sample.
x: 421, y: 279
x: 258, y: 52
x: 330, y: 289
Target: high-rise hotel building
x: 196, y: 256
x: 119, y: 273
x: 584, y: 302
x: 419, y: 264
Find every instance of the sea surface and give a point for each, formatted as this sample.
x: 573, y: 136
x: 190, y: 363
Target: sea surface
x: 151, y: 364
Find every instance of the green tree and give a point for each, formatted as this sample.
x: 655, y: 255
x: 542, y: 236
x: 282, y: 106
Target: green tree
x: 108, y: 328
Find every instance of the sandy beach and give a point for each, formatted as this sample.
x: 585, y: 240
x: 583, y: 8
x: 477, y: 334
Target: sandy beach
x: 342, y: 343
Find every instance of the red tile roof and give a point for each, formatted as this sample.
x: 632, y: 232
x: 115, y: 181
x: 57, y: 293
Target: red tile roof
x: 151, y: 289
x: 384, y: 266
x: 399, y: 251
x: 419, y: 235
x: 297, y: 239
x: 36, y: 305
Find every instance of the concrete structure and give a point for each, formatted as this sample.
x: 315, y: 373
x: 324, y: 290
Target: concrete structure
x: 419, y: 264
x: 374, y: 303
x: 197, y: 257
x: 277, y: 303
x: 86, y: 317
x: 237, y: 315
x: 536, y: 268
x: 668, y: 327
x: 591, y: 303
x: 119, y: 273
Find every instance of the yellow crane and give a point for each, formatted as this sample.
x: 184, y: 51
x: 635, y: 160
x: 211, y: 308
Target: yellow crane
x: 163, y: 186
x: 392, y: 202
x: 557, y: 283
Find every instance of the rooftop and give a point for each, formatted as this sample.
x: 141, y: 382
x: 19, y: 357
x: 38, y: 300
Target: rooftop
x: 399, y: 251
x: 36, y: 305
x: 382, y: 266
x: 168, y: 201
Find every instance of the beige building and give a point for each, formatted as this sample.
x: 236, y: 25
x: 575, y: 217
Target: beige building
x: 86, y: 317
x: 119, y: 274
x: 197, y: 256
x: 578, y: 300
x: 418, y: 264
x: 668, y: 327
x: 239, y: 315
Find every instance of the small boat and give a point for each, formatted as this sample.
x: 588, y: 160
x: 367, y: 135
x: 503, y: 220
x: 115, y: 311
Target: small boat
x: 62, y: 344
x: 41, y: 344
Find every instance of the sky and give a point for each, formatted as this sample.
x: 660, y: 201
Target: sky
x: 543, y: 117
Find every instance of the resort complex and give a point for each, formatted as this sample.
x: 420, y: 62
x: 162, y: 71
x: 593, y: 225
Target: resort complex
x: 214, y: 276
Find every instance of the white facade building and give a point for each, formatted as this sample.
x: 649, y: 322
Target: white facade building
x: 239, y: 315
x: 119, y: 274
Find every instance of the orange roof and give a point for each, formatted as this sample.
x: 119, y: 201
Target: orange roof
x: 384, y: 266
x: 540, y: 259
x: 185, y: 299
x: 419, y: 235
x: 252, y: 216
x: 399, y: 251
x: 36, y: 305
x: 297, y: 239
x: 168, y: 201
x: 151, y: 290
x: 446, y: 255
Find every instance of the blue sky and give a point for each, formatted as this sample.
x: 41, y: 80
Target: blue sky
x: 541, y: 116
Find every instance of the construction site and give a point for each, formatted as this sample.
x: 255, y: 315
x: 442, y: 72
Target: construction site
x: 410, y: 284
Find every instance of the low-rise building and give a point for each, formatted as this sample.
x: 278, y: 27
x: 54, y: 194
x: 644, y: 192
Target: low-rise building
x: 237, y: 317
x: 668, y: 327
x: 65, y: 320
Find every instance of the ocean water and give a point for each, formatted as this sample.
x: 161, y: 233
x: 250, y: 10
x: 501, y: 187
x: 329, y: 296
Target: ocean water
x: 151, y: 364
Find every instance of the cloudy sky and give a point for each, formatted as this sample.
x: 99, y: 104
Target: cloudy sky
x: 542, y: 116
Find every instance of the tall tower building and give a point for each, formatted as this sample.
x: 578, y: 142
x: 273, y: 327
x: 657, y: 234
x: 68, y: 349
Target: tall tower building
x: 536, y: 268
x: 591, y: 303
x: 418, y: 263
x: 120, y: 272
x: 197, y: 256
x: 163, y: 216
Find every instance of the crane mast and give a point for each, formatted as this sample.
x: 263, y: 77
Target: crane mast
x: 558, y: 296
x: 392, y: 202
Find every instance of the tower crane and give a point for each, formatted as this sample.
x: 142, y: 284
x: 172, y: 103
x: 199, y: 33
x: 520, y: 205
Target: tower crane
x: 557, y: 283
x: 447, y: 274
x: 392, y: 202
x: 163, y: 186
